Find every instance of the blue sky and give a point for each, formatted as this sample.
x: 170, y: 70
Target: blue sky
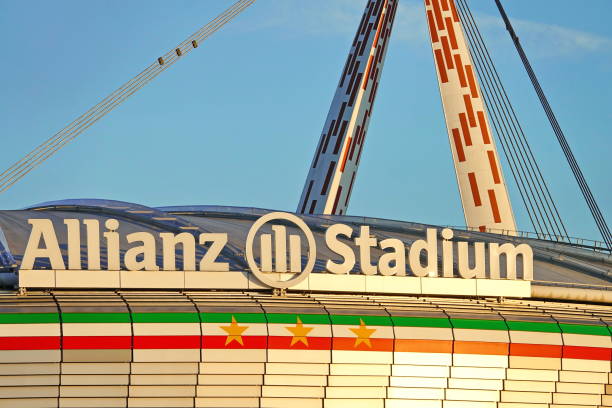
x: 237, y: 121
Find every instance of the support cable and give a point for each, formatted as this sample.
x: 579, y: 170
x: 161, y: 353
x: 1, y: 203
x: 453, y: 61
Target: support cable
x: 502, y: 127
x: 101, y: 109
x: 533, y: 168
x: 582, y: 183
x: 534, y: 192
x: 534, y: 196
x: 74, y: 129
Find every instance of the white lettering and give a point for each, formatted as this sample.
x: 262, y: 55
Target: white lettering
x: 93, y: 244
x: 169, y: 243
x: 479, y: 260
x: 112, y: 245
x: 365, y: 243
x: 208, y: 262
x: 447, y: 253
x: 397, y: 257
x: 340, y: 248
x: 511, y: 252
x: 73, y: 227
x: 42, y: 230
x: 431, y: 248
x: 146, y: 250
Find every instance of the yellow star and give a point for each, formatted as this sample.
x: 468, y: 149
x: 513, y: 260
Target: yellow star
x: 234, y: 332
x: 299, y: 333
x: 363, y: 334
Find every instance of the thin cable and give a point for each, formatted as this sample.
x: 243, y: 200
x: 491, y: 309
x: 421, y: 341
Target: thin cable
x: 110, y: 98
x: 501, y: 127
x: 56, y: 142
x: 540, y: 183
x: 98, y: 112
x: 100, y: 109
x: 531, y: 184
x: 582, y: 183
x: 59, y: 143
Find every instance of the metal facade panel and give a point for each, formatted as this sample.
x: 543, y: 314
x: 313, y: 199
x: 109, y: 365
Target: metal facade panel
x: 341, y: 348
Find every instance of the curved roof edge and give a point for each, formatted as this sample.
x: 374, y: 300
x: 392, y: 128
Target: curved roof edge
x: 586, y: 252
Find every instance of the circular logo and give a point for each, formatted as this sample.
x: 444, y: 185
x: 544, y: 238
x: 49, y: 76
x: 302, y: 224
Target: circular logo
x: 262, y: 275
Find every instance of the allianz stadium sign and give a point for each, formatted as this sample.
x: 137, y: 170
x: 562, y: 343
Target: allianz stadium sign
x: 277, y: 258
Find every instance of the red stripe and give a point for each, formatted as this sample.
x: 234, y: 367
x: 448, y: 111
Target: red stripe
x: 346, y: 152
x: 98, y: 342
x: 535, y: 350
x: 451, y: 33
x: 587, y: 353
x: 471, y: 80
x: 445, y: 5
x: 314, y: 343
x: 167, y: 342
x: 438, y: 14
x: 249, y: 342
x: 313, y: 205
x: 357, y: 134
x: 454, y: 10
x: 482, y: 228
x: 348, y: 343
x: 474, y: 187
x: 30, y: 343
x: 432, y: 27
x: 483, y: 127
x: 373, y: 93
x: 338, y: 194
x: 458, y: 145
x: 348, y: 195
x: 307, y: 195
x: 441, y: 68
x: 494, y: 207
x: 493, y: 165
x: 359, y: 154
x: 470, y: 110
x: 447, y: 53
x: 340, y: 137
x: 327, y: 177
x: 465, y: 129
x: 460, y: 72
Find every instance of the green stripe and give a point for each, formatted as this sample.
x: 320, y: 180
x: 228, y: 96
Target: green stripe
x: 356, y: 320
x: 534, y: 327
x: 479, y: 324
x: 227, y: 317
x: 292, y: 318
x: 406, y: 321
x: 25, y: 318
x: 165, y: 318
x: 95, y: 317
x: 584, y: 329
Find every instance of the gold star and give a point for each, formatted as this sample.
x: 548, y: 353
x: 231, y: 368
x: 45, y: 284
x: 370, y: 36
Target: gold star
x: 363, y: 334
x: 299, y: 332
x: 234, y: 332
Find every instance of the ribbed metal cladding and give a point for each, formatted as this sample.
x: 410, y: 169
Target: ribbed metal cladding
x: 252, y: 349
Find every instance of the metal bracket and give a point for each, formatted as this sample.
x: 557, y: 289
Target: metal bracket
x: 279, y: 292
